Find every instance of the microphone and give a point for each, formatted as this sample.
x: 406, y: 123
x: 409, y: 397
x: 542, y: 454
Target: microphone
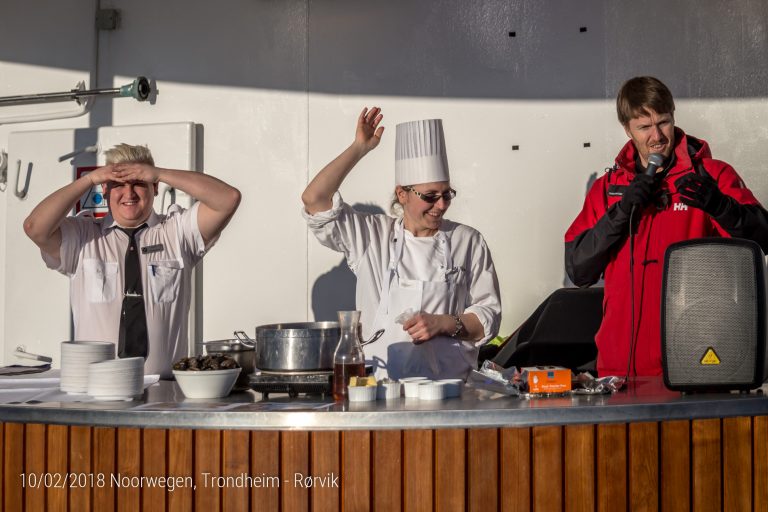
x: 655, y: 160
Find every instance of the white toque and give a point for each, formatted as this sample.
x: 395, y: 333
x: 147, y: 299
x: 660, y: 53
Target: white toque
x: 420, y: 155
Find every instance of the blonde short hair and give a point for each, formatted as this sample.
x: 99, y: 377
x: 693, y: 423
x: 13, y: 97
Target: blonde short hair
x: 125, y: 153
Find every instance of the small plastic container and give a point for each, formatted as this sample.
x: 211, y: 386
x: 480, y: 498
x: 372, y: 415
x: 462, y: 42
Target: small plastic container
x: 453, y: 387
x: 432, y: 391
x: 389, y: 390
x: 362, y: 393
x: 412, y: 387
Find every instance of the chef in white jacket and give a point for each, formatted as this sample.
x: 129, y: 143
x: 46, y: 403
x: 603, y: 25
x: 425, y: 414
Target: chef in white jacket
x: 429, y: 282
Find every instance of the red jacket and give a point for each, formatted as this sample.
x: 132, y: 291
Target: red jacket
x: 597, y: 242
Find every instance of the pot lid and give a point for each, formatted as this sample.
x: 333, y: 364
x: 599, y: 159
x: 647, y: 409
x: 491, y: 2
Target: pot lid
x: 298, y: 330
x: 226, y: 346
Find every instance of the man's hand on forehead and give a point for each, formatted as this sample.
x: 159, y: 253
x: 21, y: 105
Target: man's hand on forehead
x: 135, y: 172
x: 121, y: 182
x: 129, y: 174
x: 103, y: 175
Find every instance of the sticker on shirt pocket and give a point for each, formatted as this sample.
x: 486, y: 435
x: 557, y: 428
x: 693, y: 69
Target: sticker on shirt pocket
x: 101, y: 280
x: 456, y: 275
x: 164, y: 279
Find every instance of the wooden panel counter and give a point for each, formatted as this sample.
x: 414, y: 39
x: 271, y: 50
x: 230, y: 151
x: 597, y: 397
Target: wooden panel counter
x: 642, y: 449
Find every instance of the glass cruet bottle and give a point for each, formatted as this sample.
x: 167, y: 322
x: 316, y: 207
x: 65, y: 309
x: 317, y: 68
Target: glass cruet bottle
x: 348, y: 360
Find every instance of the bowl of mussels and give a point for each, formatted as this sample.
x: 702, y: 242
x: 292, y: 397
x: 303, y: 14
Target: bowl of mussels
x: 206, y: 376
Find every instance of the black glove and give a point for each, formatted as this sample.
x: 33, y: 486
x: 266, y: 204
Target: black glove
x: 703, y: 193
x: 638, y: 194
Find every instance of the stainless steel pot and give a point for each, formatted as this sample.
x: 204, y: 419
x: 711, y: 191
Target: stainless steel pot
x: 244, y: 354
x: 302, y: 346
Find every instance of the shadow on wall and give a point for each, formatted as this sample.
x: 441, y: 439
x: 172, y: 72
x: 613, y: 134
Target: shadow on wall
x: 335, y: 290
x: 567, y: 283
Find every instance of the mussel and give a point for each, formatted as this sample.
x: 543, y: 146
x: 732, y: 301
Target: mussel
x: 215, y: 361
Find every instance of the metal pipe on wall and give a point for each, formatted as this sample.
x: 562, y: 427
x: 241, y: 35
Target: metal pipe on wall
x: 139, y: 89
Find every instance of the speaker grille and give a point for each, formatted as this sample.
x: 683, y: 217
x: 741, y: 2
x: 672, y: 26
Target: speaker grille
x: 711, y: 302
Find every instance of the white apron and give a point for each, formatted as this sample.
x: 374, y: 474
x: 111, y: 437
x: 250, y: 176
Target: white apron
x: 395, y: 355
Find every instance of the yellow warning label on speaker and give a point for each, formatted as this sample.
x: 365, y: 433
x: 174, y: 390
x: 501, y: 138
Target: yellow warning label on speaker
x: 710, y: 357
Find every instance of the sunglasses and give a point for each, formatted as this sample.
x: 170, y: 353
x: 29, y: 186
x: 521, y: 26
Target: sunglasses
x: 432, y: 198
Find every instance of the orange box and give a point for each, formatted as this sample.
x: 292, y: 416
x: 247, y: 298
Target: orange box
x: 547, y: 379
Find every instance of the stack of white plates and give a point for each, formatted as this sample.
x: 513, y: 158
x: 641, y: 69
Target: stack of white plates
x: 117, y: 379
x: 75, y: 358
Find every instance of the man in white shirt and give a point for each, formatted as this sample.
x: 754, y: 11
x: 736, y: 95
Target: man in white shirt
x: 95, y: 253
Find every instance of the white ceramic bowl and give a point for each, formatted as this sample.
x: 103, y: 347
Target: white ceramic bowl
x: 206, y: 384
x: 362, y: 393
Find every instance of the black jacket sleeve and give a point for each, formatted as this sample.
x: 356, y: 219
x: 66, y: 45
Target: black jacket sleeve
x: 588, y: 254
x: 748, y: 221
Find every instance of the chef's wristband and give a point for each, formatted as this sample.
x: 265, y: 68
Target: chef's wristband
x: 459, y: 327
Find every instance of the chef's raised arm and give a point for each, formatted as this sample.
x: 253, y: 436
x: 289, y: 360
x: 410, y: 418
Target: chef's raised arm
x: 318, y: 195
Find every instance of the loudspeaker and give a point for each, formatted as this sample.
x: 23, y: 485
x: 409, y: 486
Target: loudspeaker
x: 713, y: 317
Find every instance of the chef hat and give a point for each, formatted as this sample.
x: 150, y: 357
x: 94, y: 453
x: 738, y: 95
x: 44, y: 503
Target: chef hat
x: 420, y: 152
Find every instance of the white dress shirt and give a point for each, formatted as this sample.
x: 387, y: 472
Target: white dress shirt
x: 92, y: 254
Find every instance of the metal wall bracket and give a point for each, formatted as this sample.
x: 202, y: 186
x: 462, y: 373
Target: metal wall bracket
x: 73, y: 154
x: 3, y: 170
x: 107, y: 19
x: 21, y: 194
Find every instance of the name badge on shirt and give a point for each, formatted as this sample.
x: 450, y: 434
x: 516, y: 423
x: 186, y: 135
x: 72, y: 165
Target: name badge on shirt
x: 151, y: 248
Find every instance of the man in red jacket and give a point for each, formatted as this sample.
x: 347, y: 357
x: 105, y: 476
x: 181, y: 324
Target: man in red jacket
x: 690, y: 195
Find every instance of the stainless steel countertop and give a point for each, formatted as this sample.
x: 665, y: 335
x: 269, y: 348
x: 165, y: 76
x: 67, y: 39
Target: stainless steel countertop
x: 164, y: 406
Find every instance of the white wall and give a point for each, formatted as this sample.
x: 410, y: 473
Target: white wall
x: 31, y: 56
x: 277, y: 86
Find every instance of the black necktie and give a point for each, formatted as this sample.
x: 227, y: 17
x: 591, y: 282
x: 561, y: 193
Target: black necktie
x: 133, y: 341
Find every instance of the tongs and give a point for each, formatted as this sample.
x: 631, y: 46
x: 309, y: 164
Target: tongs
x: 21, y: 352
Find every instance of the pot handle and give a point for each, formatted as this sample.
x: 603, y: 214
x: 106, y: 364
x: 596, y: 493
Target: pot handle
x: 375, y: 336
x: 244, y: 339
